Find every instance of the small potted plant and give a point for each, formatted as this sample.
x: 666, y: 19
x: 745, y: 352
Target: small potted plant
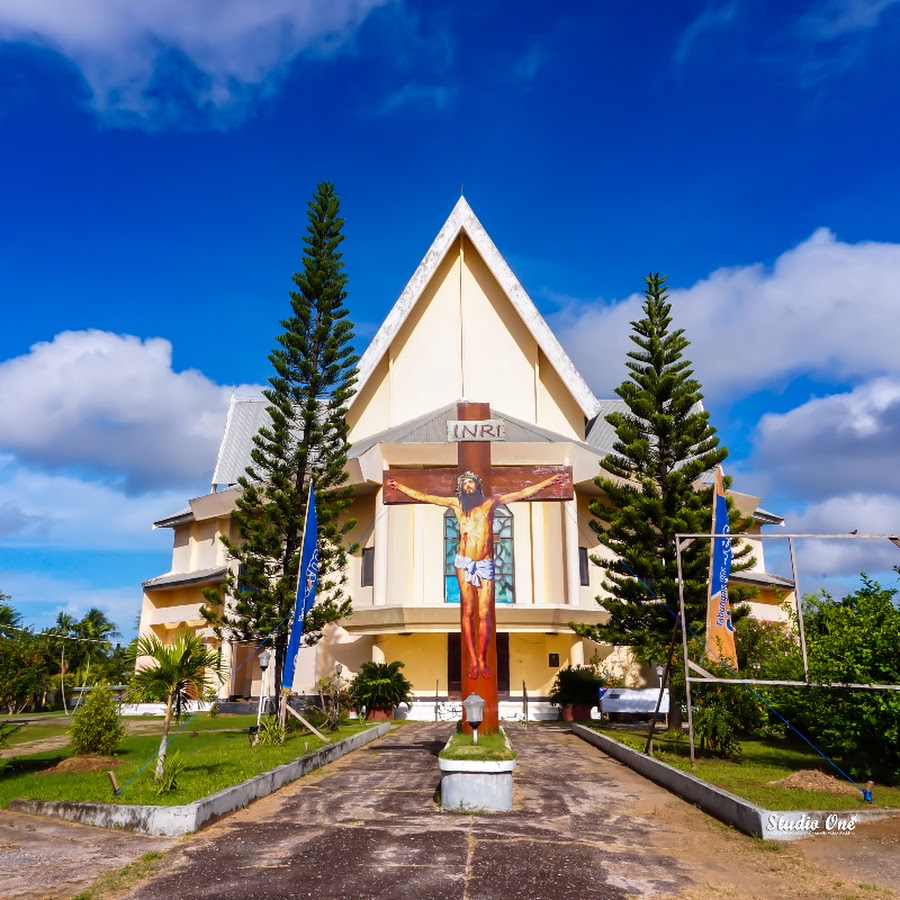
x: 379, y: 687
x: 577, y: 690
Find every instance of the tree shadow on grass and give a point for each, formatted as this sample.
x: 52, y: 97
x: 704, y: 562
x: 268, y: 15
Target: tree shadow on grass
x: 23, y: 765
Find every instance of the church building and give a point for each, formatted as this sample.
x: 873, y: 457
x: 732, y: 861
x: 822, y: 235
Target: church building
x: 463, y: 329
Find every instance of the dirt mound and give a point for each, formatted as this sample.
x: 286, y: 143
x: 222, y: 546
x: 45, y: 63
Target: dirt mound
x: 814, y: 780
x: 89, y: 763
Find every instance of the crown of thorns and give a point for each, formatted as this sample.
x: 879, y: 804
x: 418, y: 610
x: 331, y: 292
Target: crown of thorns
x: 473, y: 476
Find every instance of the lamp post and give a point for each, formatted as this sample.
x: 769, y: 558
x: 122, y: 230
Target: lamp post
x: 659, y: 673
x: 474, y: 707
x: 336, y: 692
x: 264, y: 658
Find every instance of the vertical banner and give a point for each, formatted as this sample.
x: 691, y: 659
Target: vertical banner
x: 719, y: 629
x: 307, y: 579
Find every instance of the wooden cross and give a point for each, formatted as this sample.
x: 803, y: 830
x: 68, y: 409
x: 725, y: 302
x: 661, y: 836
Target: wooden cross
x: 472, y: 490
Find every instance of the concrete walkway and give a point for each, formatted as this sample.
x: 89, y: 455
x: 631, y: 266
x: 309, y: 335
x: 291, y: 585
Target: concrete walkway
x: 584, y: 826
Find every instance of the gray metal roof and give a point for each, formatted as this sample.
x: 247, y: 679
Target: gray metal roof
x: 764, y: 517
x: 601, y: 435
x: 176, y: 518
x: 763, y: 578
x: 177, y: 579
x: 431, y: 428
x: 246, y: 415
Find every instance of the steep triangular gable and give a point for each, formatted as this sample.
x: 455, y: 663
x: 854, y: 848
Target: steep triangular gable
x: 462, y: 219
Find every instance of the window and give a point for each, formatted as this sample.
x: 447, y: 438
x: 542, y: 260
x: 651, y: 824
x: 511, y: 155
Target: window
x: 584, y: 572
x: 367, y: 569
x: 504, y: 589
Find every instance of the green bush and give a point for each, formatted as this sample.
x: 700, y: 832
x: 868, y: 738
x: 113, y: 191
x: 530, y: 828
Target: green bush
x: 168, y: 781
x: 714, y: 726
x: 271, y: 732
x: 97, y: 726
x: 576, y: 685
x: 854, y: 640
x: 381, y: 686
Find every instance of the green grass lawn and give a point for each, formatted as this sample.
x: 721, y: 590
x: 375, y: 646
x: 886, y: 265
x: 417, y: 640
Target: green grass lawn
x: 202, y: 722
x: 53, y: 727
x: 36, y: 731
x: 751, y: 776
x: 213, y: 760
x: 489, y: 747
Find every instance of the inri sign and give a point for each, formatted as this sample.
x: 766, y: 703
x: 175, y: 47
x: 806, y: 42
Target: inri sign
x: 483, y: 430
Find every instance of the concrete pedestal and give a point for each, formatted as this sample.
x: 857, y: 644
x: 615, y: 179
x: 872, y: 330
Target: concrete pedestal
x: 470, y: 786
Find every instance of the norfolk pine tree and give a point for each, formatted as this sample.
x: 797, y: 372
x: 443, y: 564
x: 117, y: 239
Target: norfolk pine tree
x: 314, y: 378
x: 664, y: 444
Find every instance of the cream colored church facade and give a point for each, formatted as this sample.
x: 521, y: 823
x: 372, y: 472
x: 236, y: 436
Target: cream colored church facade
x: 463, y: 329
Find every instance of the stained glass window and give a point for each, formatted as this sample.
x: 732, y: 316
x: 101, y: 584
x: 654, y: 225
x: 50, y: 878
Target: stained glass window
x: 504, y: 590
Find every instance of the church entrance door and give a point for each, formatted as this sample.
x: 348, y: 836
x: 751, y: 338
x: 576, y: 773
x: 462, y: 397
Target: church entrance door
x: 454, y: 665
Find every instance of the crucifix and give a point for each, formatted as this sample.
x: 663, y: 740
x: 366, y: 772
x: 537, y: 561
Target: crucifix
x: 472, y: 491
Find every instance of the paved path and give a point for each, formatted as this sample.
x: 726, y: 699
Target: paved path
x: 584, y: 826
x: 43, y: 857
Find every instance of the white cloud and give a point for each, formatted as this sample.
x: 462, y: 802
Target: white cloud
x: 850, y: 439
x: 427, y: 96
x: 840, y: 18
x: 826, y: 307
x: 713, y: 18
x: 865, y: 513
x: 215, y: 55
x: 67, y: 512
x: 111, y: 404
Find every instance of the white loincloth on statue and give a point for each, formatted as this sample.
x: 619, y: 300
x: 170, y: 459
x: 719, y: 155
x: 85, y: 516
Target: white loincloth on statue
x: 476, y: 569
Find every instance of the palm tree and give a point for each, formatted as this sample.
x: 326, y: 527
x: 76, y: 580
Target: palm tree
x: 64, y: 628
x: 94, y: 632
x: 10, y: 620
x: 176, y: 673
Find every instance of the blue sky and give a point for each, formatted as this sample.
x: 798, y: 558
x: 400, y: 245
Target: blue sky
x: 156, y: 160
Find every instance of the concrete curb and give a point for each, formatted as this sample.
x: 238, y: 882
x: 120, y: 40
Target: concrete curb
x: 772, y: 825
x: 173, y: 821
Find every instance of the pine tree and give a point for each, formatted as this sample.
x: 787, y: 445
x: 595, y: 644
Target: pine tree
x: 664, y: 444
x: 314, y: 378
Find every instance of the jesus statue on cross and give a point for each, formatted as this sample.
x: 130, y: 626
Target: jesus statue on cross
x: 474, y: 560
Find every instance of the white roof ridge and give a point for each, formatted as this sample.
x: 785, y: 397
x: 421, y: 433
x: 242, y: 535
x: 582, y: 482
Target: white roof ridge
x: 462, y: 218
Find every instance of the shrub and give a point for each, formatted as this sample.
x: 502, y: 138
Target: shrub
x: 854, y: 640
x: 381, y: 686
x: 271, y: 732
x: 335, y: 700
x: 97, y: 726
x: 578, y: 685
x: 172, y: 770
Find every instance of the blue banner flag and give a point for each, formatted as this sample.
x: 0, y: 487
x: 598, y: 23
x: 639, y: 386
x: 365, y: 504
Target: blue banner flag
x: 307, y: 579
x: 719, y: 630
